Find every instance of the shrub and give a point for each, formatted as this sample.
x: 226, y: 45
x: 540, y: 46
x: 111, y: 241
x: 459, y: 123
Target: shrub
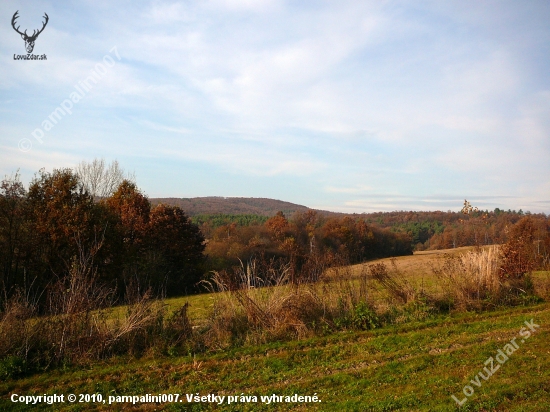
x: 12, y: 367
x: 474, y: 281
x: 518, y: 256
x: 363, y: 317
x: 395, y: 284
x: 77, y: 328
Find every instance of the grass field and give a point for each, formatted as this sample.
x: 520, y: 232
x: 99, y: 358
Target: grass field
x: 416, y: 366
x: 410, y: 366
x: 415, y: 268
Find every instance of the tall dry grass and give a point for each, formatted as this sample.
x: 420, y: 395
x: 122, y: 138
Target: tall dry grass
x: 393, y: 282
x: 254, y: 303
x: 258, y: 302
x: 470, y: 279
x: 473, y: 281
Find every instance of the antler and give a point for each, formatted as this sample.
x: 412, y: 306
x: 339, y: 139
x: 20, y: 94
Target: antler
x: 15, y: 16
x: 43, y: 26
x: 34, y: 33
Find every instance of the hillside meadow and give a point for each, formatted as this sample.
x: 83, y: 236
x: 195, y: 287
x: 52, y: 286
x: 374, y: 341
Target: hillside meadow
x: 416, y: 269
x: 417, y: 363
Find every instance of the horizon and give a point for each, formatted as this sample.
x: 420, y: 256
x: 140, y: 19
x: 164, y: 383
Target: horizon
x: 355, y: 107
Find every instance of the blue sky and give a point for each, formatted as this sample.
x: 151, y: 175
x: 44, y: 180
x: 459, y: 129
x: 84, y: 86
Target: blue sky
x: 351, y: 106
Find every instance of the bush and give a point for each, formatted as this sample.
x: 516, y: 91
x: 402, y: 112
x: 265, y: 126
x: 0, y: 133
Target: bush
x: 364, y: 318
x: 519, y: 256
x: 12, y: 367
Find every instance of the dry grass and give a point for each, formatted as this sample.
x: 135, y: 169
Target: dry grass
x: 395, y: 284
x: 255, y: 303
x: 471, y: 278
x: 473, y: 281
x: 260, y: 303
x: 258, y: 306
x: 77, y: 327
x: 17, y: 331
x: 414, y: 269
x: 541, y: 284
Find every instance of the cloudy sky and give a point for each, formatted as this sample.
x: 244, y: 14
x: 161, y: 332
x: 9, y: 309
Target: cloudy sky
x: 340, y: 105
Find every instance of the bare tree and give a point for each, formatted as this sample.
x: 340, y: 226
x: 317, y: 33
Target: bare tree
x: 102, y: 180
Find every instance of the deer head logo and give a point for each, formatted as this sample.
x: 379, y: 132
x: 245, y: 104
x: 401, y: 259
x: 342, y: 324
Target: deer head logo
x: 29, y: 40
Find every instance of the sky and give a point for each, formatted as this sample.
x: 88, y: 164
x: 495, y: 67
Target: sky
x: 351, y: 106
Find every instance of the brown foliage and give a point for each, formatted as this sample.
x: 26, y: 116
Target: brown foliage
x: 133, y: 209
x: 44, y: 230
x: 60, y: 205
x: 12, y: 230
x: 278, y: 226
x: 175, y: 246
x: 522, y: 253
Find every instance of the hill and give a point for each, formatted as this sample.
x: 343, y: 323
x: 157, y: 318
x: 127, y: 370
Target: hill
x: 427, y: 230
x: 231, y: 205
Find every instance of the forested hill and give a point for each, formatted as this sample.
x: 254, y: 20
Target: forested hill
x: 231, y: 205
x: 427, y: 230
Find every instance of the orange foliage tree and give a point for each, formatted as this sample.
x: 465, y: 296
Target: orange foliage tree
x: 522, y: 253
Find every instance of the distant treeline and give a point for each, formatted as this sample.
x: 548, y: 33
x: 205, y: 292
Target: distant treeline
x: 213, y: 205
x: 213, y: 221
x: 426, y: 230
x: 444, y: 230
x: 310, y: 238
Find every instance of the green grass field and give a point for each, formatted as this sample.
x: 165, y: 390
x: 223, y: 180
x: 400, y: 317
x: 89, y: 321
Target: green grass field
x: 409, y: 367
x: 416, y: 366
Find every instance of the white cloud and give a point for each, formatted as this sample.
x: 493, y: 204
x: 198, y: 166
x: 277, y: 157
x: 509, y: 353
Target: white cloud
x: 244, y: 159
x: 257, y: 6
x: 34, y: 160
x: 354, y: 189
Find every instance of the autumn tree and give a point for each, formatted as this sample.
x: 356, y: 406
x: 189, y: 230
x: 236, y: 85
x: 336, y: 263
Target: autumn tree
x: 56, y: 224
x: 174, y: 249
x: 61, y: 214
x: 305, y: 224
x: 160, y: 247
x: 520, y: 254
x: 131, y: 209
x: 12, y: 231
x: 278, y: 226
